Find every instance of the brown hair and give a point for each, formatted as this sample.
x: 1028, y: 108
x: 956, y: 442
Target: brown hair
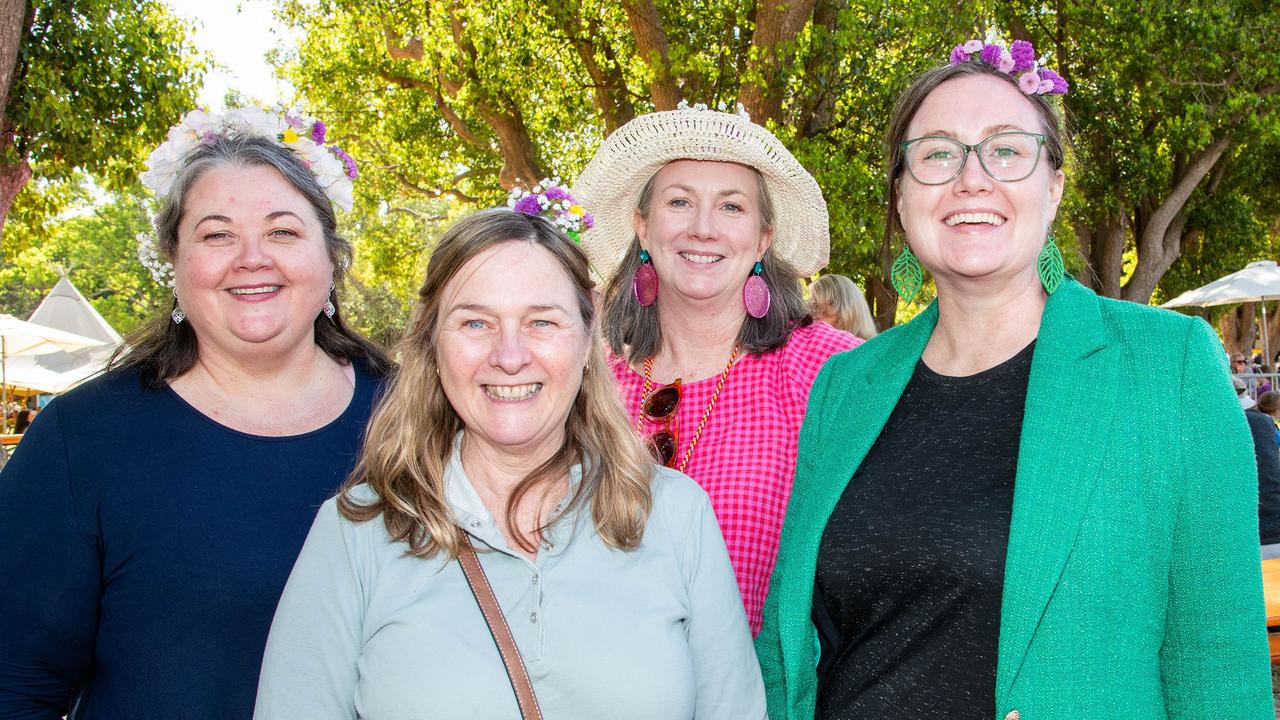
x: 162, y: 350
x: 1269, y: 402
x: 634, y: 328
x: 847, y: 302
x: 411, y: 435
x: 904, y: 111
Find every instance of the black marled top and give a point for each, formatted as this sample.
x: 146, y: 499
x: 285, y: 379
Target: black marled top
x: 911, y: 565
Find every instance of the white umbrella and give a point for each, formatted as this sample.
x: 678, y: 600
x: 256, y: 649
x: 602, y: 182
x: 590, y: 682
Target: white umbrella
x: 21, y: 338
x: 1257, y: 282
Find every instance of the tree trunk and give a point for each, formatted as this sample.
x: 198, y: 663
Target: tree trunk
x: 1159, y: 241
x: 777, y: 22
x: 817, y: 113
x: 651, y: 45
x: 1102, y: 244
x: 880, y: 293
x: 13, y: 178
x: 1238, y: 329
x: 13, y: 21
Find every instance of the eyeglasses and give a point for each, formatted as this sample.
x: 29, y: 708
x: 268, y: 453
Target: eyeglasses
x: 661, y: 407
x: 1005, y: 156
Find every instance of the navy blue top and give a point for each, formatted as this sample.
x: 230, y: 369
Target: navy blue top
x: 143, y: 548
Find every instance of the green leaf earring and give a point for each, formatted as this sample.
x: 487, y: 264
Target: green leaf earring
x: 906, y: 275
x: 1049, y: 265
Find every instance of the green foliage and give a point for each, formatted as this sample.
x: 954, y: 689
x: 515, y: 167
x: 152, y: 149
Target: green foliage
x: 99, y: 82
x: 416, y: 89
x: 95, y: 244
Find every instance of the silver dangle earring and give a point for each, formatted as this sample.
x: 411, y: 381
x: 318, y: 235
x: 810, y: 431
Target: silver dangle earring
x: 177, y: 314
x: 329, y: 307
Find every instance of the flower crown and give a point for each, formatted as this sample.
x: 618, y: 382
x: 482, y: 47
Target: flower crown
x: 549, y: 199
x: 1019, y: 60
x: 334, y: 168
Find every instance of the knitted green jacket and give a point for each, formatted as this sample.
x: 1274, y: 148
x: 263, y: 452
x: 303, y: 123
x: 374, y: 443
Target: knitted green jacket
x: 1132, y: 577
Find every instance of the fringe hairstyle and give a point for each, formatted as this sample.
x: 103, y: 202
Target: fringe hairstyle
x: 410, y: 437
x: 635, y: 329
x: 162, y: 350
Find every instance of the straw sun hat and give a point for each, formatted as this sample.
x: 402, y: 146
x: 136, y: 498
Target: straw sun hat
x: 610, y: 185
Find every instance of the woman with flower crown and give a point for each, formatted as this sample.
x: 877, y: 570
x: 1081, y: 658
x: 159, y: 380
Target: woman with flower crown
x: 991, y: 516
x: 151, y: 516
x: 502, y: 499
x: 704, y: 225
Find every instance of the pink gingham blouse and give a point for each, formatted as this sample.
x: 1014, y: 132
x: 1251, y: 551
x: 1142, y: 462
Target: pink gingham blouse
x: 746, y: 457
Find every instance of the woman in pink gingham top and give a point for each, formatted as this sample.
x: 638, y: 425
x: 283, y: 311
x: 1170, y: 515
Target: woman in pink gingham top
x: 748, y: 454
x: 703, y: 226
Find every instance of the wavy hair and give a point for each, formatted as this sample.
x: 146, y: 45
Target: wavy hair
x: 411, y: 435
x: 162, y: 350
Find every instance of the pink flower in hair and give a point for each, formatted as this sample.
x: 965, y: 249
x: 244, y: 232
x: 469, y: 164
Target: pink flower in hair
x: 973, y: 46
x: 1005, y: 63
x: 1046, y: 86
x: 1029, y: 83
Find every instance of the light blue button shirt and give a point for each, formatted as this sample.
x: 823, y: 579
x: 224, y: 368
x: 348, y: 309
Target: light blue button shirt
x: 364, y: 631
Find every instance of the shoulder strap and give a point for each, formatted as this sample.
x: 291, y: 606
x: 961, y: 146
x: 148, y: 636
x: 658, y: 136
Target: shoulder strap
x: 497, y: 623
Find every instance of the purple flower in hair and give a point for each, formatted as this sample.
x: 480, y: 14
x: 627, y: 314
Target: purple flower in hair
x: 1024, y: 55
x: 991, y: 54
x: 555, y: 192
x: 1059, y: 83
x: 348, y: 162
x: 1029, y: 83
x: 528, y: 205
x: 317, y: 132
x: 958, y: 55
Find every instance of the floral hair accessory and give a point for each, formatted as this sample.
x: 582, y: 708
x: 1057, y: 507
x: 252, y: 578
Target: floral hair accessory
x: 549, y: 199
x: 149, y: 255
x: 1018, y: 60
x: 305, y: 136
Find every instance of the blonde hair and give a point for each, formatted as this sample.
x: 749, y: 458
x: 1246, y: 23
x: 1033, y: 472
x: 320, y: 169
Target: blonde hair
x: 410, y: 437
x: 847, y: 302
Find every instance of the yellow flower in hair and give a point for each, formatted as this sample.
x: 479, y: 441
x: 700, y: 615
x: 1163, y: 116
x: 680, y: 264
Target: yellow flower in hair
x: 290, y: 135
x: 577, y: 210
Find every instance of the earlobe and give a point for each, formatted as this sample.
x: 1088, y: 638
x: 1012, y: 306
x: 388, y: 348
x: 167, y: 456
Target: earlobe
x: 640, y: 225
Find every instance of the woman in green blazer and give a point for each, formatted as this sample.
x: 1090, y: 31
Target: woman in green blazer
x: 994, y: 514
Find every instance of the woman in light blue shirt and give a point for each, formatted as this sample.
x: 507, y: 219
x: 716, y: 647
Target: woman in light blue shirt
x: 503, y: 422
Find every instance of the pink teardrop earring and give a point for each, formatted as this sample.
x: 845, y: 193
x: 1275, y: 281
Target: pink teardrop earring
x: 755, y: 293
x: 644, y: 286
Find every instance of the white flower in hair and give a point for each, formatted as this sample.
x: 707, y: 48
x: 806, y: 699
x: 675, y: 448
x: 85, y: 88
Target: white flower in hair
x: 256, y: 121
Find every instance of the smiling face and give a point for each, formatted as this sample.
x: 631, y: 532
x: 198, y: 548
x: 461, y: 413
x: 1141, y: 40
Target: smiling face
x: 511, y: 347
x: 251, y: 269
x: 703, y: 231
x: 975, y: 227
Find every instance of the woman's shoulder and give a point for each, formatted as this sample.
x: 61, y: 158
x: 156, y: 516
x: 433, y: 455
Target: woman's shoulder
x: 676, y: 495
x: 818, y: 340
x: 117, y: 392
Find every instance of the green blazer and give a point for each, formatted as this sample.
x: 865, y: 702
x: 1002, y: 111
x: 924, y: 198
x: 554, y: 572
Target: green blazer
x: 1132, y: 577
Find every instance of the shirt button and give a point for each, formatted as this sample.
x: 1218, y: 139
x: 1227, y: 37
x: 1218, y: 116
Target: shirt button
x: 533, y: 618
x: 1013, y: 715
x: 548, y: 546
x: 475, y: 524
x: 535, y: 580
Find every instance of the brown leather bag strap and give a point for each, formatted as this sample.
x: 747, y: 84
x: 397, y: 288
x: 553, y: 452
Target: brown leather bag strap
x: 497, y: 623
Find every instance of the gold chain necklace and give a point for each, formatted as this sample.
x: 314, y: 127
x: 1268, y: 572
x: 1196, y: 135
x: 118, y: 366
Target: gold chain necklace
x: 706, y: 414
